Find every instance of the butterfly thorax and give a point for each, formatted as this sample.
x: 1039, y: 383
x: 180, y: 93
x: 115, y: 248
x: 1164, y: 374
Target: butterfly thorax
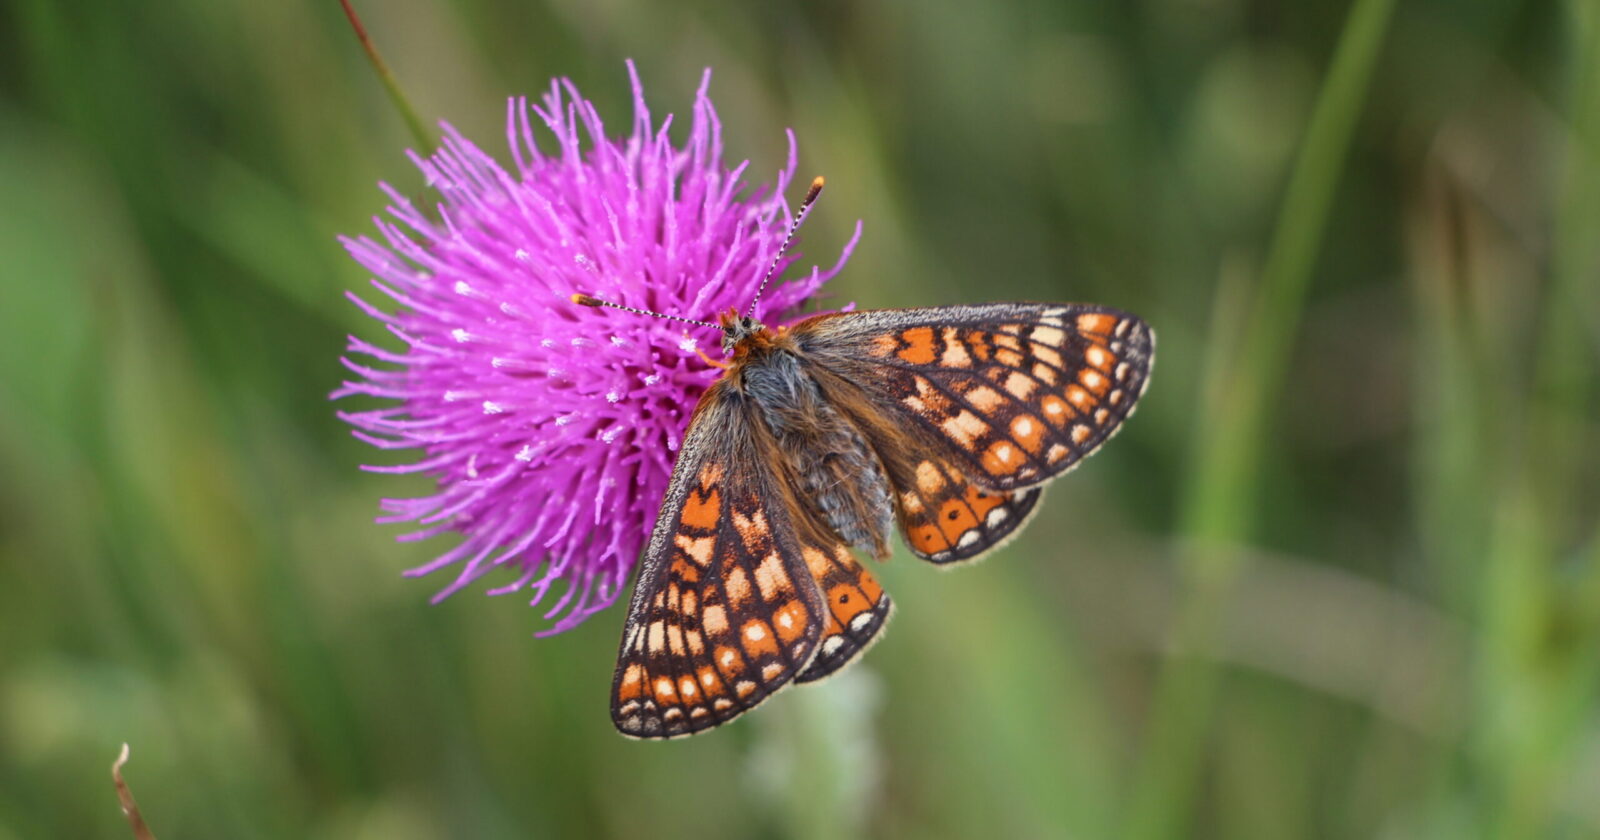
x: 839, y: 477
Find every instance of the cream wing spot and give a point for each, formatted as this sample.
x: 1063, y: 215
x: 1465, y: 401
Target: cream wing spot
x: 929, y: 478
x: 955, y: 352
x: 658, y: 636
x: 714, y: 619
x: 1048, y: 335
x: 753, y: 529
x: 737, y: 586
x: 984, y: 399
x: 1020, y: 386
x: 965, y: 428
x: 699, y: 550
x: 770, y: 577
x: 816, y: 561
x: 675, y: 640
x: 911, y: 501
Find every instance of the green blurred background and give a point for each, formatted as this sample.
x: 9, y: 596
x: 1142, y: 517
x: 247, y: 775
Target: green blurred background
x: 1340, y: 577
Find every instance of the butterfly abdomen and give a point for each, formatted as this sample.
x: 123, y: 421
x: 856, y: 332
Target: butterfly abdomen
x: 837, y: 473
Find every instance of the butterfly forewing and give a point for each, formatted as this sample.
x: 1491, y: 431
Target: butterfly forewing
x: 1014, y: 394
x: 726, y: 611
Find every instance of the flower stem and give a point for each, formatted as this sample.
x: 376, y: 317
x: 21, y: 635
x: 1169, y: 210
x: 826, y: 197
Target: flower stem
x: 425, y: 140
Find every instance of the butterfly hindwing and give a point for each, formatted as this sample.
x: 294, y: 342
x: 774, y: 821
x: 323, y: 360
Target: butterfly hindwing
x: 1013, y: 393
x: 948, y: 519
x: 857, y: 606
x: 726, y: 611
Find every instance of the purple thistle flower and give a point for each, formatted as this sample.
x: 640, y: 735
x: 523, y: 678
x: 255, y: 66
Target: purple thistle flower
x: 552, y: 428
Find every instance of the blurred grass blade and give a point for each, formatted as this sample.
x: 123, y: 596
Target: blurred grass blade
x: 1536, y: 689
x: 1219, y: 494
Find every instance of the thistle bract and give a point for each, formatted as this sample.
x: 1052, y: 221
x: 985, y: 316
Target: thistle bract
x: 551, y: 429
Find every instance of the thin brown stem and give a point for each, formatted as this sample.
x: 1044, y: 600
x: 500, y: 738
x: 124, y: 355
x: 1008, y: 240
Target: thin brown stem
x: 130, y: 809
x: 425, y: 140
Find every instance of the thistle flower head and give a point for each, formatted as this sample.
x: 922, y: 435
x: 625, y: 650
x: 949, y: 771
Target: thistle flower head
x: 551, y: 428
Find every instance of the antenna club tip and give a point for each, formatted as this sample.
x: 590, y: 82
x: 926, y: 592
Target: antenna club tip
x: 816, y: 187
x: 582, y: 299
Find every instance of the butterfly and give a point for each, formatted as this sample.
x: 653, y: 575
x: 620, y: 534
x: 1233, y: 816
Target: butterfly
x: 827, y: 435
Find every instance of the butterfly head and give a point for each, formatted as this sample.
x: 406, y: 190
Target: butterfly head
x: 737, y: 328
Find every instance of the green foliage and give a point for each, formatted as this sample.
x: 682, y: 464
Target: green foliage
x: 1340, y: 577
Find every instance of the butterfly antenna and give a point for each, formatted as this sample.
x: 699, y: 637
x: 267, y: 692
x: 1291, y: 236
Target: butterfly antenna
x: 586, y: 300
x: 799, y: 216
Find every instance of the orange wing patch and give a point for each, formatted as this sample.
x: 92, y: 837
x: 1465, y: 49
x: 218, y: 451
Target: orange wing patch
x: 857, y: 608
x: 948, y: 519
